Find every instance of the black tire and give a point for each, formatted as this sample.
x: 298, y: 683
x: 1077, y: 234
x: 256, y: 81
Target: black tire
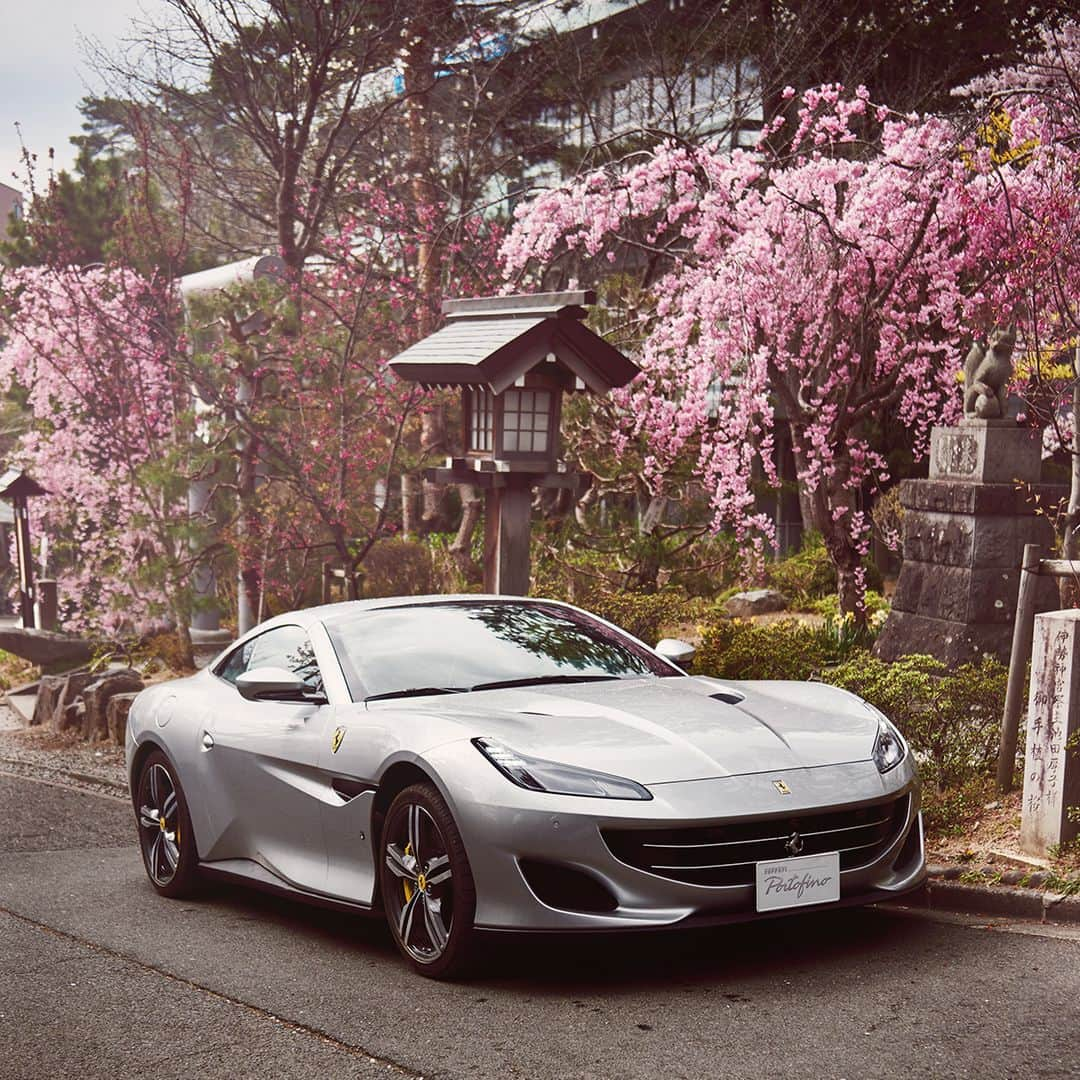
x: 431, y: 921
x: 166, y: 839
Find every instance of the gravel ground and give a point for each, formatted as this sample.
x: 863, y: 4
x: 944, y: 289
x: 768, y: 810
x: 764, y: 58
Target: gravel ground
x: 48, y: 755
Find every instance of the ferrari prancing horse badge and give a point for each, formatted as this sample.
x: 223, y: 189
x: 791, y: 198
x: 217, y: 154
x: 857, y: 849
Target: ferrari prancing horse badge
x: 335, y: 742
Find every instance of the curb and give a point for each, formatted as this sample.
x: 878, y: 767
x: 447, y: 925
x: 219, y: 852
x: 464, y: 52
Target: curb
x: 1005, y: 901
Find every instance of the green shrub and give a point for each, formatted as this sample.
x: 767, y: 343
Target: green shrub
x: 735, y: 649
x: 574, y: 574
x: 398, y: 567
x: 809, y: 575
x: 451, y: 572
x: 830, y: 605
x: 647, y: 616
x: 805, y: 576
x: 949, y: 717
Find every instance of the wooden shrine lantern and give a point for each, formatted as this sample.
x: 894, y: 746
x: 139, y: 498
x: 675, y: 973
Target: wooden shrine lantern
x: 513, y: 357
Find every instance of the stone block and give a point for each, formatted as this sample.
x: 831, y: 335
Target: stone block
x: 96, y: 697
x: 72, y: 687
x: 957, y: 593
x: 951, y: 642
x: 998, y: 541
x: 931, y: 536
x: 986, y: 452
x: 755, y: 602
x: 50, y: 688
x: 70, y: 716
x: 116, y: 714
x: 964, y: 497
x: 1051, y: 756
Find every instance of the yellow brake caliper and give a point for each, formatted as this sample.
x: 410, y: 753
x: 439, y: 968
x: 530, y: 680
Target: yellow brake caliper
x: 405, y: 881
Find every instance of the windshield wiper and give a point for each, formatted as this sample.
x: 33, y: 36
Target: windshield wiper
x: 540, y: 680
x: 417, y: 691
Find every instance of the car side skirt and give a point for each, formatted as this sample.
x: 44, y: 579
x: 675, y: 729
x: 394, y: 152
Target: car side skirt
x: 253, y: 875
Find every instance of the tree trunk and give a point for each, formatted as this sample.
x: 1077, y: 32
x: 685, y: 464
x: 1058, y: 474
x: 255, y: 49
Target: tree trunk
x: 250, y: 524
x: 820, y: 507
x: 183, y: 634
x: 408, y: 507
x: 472, y: 505
x: 419, y: 77
x: 434, y: 445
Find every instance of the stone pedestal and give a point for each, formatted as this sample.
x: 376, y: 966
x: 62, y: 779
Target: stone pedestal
x: 1052, y: 757
x: 964, y: 534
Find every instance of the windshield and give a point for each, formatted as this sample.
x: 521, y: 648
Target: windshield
x: 460, y: 646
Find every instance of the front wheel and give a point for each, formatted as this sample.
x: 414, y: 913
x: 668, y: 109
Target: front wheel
x: 165, y: 836
x: 427, y: 886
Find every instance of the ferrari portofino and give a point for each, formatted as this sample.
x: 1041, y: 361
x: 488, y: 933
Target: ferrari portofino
x: 465, y: 764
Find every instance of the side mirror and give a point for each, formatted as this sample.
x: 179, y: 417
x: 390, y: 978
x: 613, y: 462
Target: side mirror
x: 271, y: 684
x: 678, y: 652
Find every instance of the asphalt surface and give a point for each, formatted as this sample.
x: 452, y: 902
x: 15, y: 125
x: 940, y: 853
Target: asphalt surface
x: 99, y: 977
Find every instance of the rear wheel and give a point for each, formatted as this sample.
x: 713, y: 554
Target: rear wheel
x: 165, y: 836
x: 427, y: 886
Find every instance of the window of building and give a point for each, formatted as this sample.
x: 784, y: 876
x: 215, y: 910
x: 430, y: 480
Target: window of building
x: 526, y: 420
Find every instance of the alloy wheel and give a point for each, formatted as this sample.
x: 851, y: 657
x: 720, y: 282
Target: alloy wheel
x: 159, y: 823
x: 416, y: 854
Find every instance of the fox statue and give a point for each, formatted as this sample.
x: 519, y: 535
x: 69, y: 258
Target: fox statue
x: 987, y: 371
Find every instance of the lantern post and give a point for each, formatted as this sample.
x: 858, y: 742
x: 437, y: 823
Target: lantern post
x: 17, y: 487
x: 513, y: 357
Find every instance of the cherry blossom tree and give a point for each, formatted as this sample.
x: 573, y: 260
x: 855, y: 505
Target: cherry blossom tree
x: 93, y: 353
x: 311, y: 398
x: 1024, y: 227
x: 820, y: 286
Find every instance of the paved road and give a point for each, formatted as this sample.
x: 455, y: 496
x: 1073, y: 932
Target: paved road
x: 99, y: 977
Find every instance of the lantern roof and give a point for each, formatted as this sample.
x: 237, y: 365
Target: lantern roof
x: 16, y: 484
x: 492, y: 341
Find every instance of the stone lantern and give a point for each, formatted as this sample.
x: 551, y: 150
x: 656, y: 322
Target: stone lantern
x: 514, y: 357
x: 17, y: 487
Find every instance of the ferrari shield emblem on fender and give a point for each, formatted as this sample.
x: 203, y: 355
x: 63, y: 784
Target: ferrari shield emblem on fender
x: 778, y: 784
x: 335, y: 742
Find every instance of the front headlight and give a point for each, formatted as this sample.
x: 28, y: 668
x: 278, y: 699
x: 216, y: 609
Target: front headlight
x: 538, y: 775
x: 889, y: 746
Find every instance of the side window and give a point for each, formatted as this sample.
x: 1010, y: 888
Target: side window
x: 285, y: 647
x: 235, y: 663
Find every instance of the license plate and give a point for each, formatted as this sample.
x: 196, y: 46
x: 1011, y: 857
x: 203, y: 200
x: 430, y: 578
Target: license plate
x: 811, y: 879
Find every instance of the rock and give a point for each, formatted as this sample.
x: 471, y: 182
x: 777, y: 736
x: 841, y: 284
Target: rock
x: 71, y: 686
x: 96, y: 697
x: 116, y: 714
x: 43, y: 647
x: 70, y: 716
x: 49, y: 689
x: 756, y: 602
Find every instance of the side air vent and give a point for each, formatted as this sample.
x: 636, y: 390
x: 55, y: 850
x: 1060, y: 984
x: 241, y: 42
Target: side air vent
x: 349, y: 789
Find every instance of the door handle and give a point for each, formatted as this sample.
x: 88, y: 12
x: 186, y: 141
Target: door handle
x: 207, y: 741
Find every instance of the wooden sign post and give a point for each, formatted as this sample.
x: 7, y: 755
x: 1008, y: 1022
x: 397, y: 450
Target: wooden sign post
x: 1052, y: 758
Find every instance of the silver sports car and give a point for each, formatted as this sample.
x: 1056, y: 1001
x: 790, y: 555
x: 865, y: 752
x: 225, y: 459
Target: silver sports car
x: 473, y: 763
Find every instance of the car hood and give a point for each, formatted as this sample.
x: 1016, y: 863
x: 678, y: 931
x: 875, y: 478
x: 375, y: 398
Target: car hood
x: 665, y: 730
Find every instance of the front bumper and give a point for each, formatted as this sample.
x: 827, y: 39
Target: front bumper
x: 503, y: 826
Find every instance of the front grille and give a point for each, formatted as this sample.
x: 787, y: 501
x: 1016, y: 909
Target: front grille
x: 725, y: 853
